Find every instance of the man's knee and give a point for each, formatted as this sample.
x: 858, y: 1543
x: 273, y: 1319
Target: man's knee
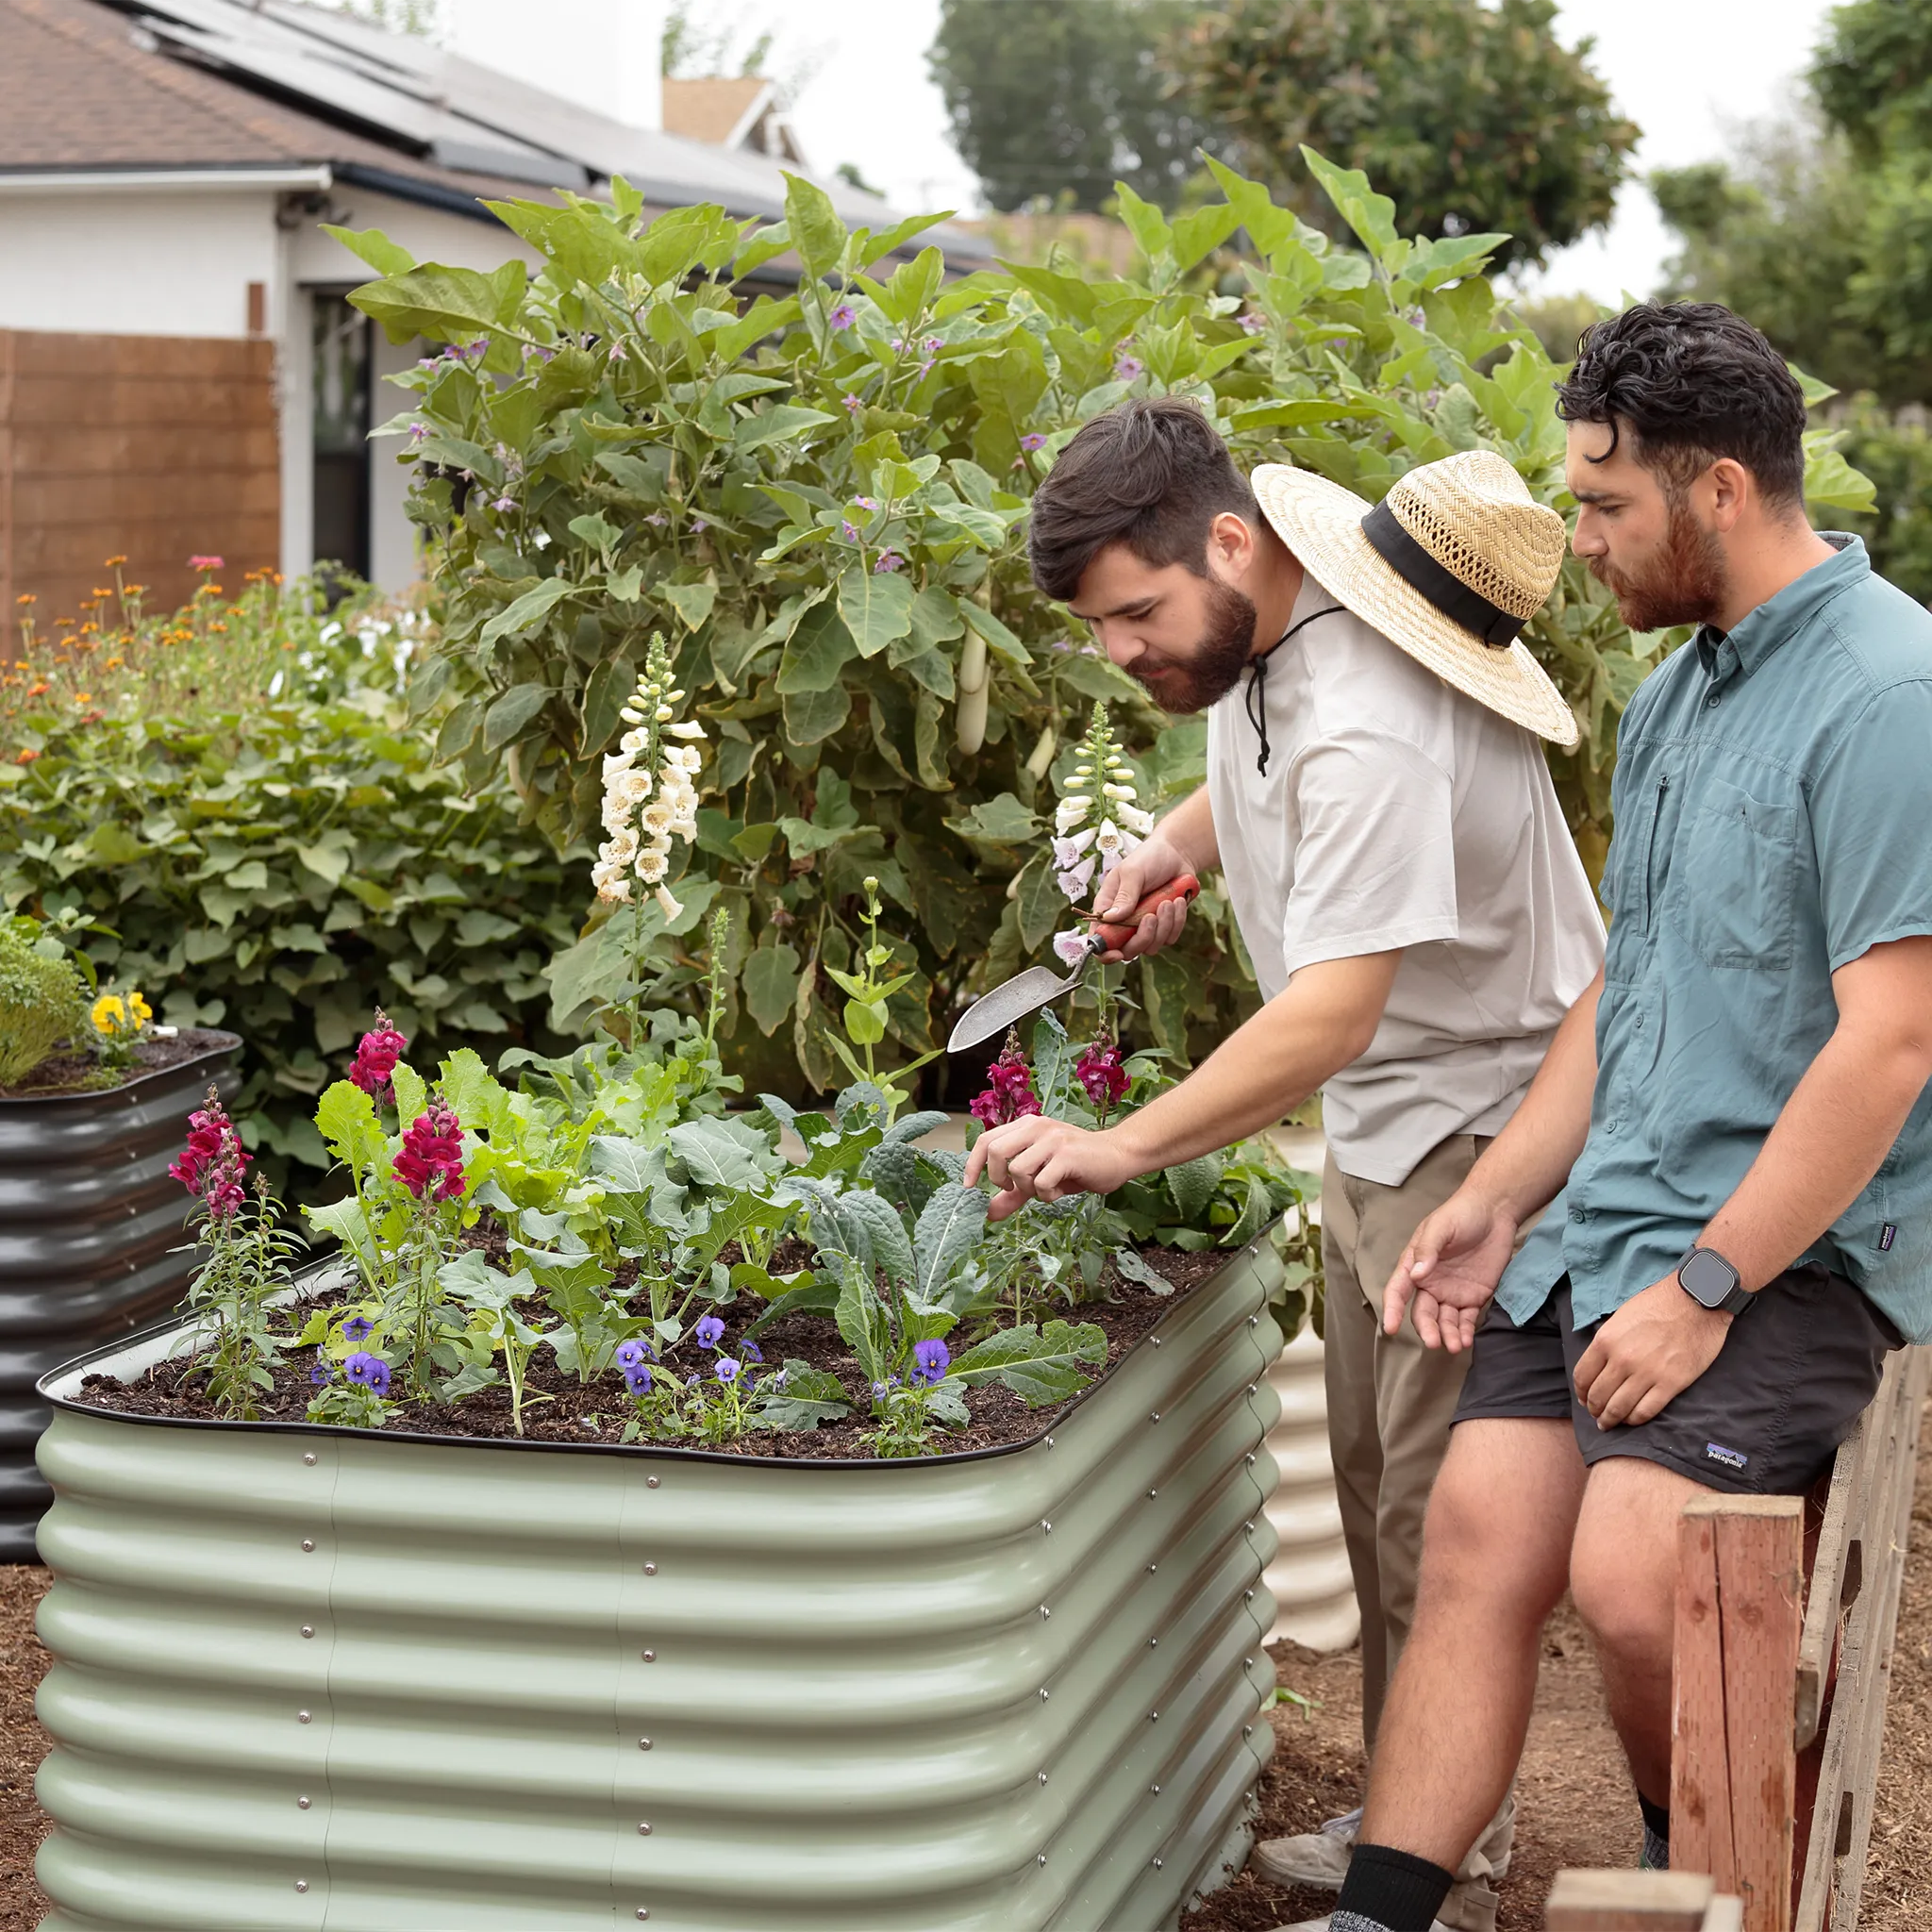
x: 1623, y: 1565
x: 1487, y: 1544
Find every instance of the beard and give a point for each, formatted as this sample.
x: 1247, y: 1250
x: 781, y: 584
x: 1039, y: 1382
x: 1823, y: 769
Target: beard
x: 1683, y: 581
x: 1214, y: 666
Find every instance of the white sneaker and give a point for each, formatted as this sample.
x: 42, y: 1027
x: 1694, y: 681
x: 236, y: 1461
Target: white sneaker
x: 1313, y: 1857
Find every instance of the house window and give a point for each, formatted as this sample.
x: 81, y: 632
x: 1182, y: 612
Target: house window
x: 341, y: 435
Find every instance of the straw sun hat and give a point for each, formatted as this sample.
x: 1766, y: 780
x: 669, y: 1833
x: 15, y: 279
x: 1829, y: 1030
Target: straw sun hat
x: 1449, y: 566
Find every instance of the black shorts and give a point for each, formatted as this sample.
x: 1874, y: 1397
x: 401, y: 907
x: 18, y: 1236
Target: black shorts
x: 1765, y: 1419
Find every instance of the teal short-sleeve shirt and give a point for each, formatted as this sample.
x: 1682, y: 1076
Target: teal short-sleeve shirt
x: 1774, y: 821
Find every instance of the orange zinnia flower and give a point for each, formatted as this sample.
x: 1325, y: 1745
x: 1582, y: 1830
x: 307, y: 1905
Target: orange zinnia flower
x: 26, y: 756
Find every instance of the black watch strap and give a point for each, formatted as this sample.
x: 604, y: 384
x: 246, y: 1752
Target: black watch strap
x: 1711, y: 1282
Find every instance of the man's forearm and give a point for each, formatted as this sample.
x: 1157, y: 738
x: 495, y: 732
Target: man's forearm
x: 1269, y: 1065
x: 1839, y: 1124
x: 1530, y: 1159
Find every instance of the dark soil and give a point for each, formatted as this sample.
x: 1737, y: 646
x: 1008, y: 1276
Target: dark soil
x: 81, y: 1072
x: 1574, y: 1798
x: 566, y: 1411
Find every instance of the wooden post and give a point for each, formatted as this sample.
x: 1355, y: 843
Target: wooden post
x: 1640, y: 1902
x: 1740, y: 1573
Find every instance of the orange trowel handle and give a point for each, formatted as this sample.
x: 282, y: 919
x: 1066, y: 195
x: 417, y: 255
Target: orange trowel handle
x: 1186, y: 887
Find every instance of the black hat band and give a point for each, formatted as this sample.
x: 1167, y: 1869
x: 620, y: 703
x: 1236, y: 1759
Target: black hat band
x: 1493, y: 625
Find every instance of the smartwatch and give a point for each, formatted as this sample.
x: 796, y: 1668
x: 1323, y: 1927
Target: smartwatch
x: 1711, y: 1282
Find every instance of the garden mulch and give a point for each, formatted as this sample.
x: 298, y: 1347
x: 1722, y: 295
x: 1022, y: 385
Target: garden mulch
x: 1576, y: 1806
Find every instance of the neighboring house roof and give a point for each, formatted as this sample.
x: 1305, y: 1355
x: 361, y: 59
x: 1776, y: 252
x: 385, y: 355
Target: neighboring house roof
x: 107, y: 85
x: 732, y: 110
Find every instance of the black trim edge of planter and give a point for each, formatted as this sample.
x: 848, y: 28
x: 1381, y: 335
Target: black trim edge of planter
x: 647, y: 1450
x: 66, y: 1096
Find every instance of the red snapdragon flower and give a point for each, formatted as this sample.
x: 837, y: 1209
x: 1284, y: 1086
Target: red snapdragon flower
x: 431, y: 1162
x: 376, y: 1055
x: 211, y: 1165
x: 1009, y: 1089
x: 1099, y: 1071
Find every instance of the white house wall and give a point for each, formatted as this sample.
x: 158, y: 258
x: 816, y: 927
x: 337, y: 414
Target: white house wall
x: 136, y: 263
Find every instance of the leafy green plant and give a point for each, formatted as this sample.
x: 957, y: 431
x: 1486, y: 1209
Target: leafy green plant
x: 279, y: 865
x: 42, y: 1005
x: 820, y: 500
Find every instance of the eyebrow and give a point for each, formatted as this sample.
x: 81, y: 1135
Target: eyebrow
x: 1594, y: 496
x: 1134, y: 607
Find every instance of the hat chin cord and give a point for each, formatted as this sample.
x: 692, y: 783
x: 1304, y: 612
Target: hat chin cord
x: 1256, y: 698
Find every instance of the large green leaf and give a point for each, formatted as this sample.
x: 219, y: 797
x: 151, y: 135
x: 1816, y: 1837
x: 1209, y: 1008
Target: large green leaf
x: 1038, y: 1367
x: 813, y: 223
x: 447, y: 304
x: 525, y: 612
x: 948, y: 1229
x: 385, y: 257
x: 876, y: 606
x: 770, y: 979
x: 807, y: 1397
x: 1371, y: 215
x: 819, y: 648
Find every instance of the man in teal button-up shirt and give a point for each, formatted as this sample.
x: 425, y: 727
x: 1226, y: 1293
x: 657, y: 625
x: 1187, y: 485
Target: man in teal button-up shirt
x: 1731, y: 1130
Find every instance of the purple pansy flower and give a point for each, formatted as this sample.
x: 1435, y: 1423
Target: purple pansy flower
x: 710, y: 1331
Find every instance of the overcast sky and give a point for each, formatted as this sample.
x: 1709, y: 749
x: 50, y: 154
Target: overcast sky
x: 1683, y: 70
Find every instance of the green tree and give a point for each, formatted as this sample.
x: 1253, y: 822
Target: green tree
x: 1469, y: 116
x: 1057, y: 101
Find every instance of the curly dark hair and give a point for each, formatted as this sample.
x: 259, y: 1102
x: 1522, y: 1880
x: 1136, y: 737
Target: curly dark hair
x: 1692, y: 382
x: 1150, y: 474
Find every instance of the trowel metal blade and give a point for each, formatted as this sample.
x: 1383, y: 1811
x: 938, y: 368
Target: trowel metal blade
x: 991, y: 1013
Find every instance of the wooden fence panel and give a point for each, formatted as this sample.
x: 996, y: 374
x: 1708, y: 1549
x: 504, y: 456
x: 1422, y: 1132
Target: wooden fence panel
x: 157, y: 448
x: 1734, y: 1765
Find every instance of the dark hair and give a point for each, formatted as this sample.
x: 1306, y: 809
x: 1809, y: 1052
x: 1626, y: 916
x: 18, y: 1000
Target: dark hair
x: 1692, y: 382
x: 1152, y: 475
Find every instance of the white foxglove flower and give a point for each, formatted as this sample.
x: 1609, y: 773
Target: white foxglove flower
x: 1070, y: 814
x: 669, y: 905
x: 1071, y: 946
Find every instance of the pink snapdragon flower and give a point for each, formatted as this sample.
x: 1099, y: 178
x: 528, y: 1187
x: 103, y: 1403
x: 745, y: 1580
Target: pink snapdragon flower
x: 211, y: 1165
x: 1099, y: 1071
x: 431, y: 1162
x: 376, y: 1055
x: 1009, y: 1089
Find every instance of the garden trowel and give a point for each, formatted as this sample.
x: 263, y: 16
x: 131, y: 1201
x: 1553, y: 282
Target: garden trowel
x: 991, y: 1013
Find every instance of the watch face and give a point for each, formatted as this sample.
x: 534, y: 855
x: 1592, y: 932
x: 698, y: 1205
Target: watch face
x: 1708, y: 1278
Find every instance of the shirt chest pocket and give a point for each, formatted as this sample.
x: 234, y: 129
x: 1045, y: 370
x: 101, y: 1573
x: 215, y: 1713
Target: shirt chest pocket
x: 1736, y: 879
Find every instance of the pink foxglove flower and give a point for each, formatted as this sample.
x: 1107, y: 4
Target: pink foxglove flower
x: 1071, y: 947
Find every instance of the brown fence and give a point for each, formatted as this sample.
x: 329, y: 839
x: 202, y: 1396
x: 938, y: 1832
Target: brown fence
x: 155, y: 448
x: 1779, y: 1688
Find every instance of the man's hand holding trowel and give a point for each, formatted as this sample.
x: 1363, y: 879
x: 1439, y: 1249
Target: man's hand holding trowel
x: 1322, y: 1021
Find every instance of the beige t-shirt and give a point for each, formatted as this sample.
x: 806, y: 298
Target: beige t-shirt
x: 1396, y: 812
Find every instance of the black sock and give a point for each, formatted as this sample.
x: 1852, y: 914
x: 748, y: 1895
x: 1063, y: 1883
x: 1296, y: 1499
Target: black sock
x: 1656, y: 1836
x: 1393, y: 1889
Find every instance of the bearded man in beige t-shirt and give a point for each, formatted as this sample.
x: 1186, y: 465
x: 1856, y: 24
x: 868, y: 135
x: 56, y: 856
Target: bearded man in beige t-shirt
x: 1378, y: 805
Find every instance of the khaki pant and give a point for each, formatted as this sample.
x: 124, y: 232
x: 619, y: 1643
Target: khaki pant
x: 1389, y: 1399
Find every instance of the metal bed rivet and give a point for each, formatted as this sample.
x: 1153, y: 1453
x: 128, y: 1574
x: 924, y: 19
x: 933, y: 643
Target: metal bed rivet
x: 1247, y: 1663
x: 1247, y: 1596
x: 1042, y: 1858
x: 1152, y: 1568
x: 1158, y: 1864
x: 303, y: 1717
x: 650, y: 1483
x: 643, y: 1744
x: 1155, y: 1417
x: 643, y: 1911
x: 309, y: 1629
x: 1044, y: 1613
x: 1044, y: 1694
x: 1047, y: 1527
x: 1153, y: 1717
x: 643, y: 1828
x: 1157, y: 1341
x: 1247, y: 1730
x: 309, y: 1457
x: 1152, y: 1642
x: 1251, y: 1458
x: 302, y: 1803
x: 1043, y: 1777
x: 1254, y: 1321
x: 1252, y: 1387
x: 1248, y: 1527
x: 300, y: 1885
x: 1049, y: 1442
x: 307, y: 1542
x: 650, y: 1656
x: 651, y: 1568
x: 1156, y: 1791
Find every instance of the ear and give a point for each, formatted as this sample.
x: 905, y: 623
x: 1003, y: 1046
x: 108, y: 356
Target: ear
x: 1231, y: 547
x: 1733, y: 490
